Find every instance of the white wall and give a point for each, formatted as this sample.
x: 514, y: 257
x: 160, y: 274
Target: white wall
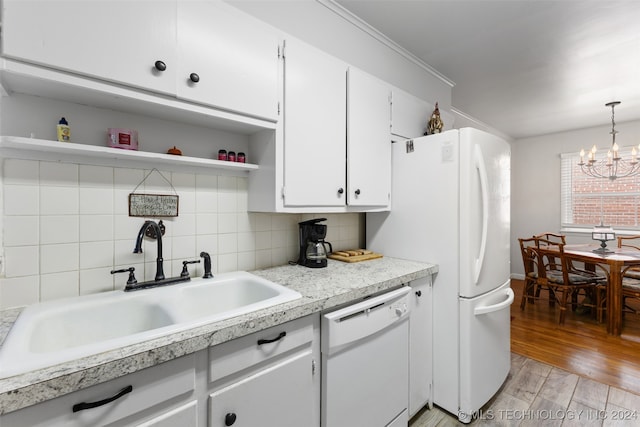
x: 535, y: 179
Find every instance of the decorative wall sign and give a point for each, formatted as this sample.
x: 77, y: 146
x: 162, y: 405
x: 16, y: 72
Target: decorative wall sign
x: 153, y: 205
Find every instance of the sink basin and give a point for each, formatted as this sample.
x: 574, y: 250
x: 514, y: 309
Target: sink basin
x: 58, y: 331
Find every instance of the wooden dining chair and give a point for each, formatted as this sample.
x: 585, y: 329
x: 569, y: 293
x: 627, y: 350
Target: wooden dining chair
x: 553, y: 262
x: 567, y: 281
x: 530, y: 261
x: 630, y: 275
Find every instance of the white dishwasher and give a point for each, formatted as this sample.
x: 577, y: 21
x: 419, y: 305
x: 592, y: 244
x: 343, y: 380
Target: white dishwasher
x: 365, y: 363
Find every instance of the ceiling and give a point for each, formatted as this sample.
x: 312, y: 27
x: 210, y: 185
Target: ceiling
x: 523, y: 67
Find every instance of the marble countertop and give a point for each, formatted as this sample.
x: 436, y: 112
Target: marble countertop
x: 321, y: 289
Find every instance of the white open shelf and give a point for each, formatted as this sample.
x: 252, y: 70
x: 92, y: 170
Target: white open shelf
x: 41, y: 149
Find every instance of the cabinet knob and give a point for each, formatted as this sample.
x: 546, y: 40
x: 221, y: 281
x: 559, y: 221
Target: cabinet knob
x: 160, y: 66
x: 340, y: 190
x: 194, y: 77
x: 230, y: 419
x: 357, y: 192
x: 419, y: 293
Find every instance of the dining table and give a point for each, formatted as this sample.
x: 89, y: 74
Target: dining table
x: 617, y: 260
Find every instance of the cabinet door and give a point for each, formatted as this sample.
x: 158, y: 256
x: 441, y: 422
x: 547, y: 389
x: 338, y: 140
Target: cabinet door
x: 314, y: 127
x: 420, y: 345
x: 234, y: 57
x: 409, y: 115
x: 280, y: 395
x: 368, y: 140
x: 116, y: 41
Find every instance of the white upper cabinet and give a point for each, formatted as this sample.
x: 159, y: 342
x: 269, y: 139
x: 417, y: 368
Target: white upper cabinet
x: 368, y: 140
x: 205, y: 52
x: 127, y: 42
x: 314, y: 127
x: 227, y: 59
x: 409, y: 115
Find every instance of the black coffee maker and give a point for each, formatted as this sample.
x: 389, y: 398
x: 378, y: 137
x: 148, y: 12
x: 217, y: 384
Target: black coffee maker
x: 313, y: 248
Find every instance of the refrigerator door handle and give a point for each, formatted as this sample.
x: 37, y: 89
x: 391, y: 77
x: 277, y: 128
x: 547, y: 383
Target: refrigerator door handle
x: 484, y: 188
x: 496, y: 307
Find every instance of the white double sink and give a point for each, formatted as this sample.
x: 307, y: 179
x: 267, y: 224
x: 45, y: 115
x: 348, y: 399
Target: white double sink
x: 59, y: 331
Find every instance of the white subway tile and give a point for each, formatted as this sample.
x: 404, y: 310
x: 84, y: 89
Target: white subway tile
x: 263, y: 240
x: 58, y: 174
x: 21, y: 261
x: 227, y: 223
x: 19, y: 291
x: 207, y: 183
x: 97, y: 280
x: 59, y: 258
x: 96, y: 176
x: 59, y: 229
x: 59, y: 200
x: 206, y: 223
x: 59, y: 285
x: 96, y: 200
x: 21, y: 230
x: 128, y: 179
x: 207, y: 243
x: 96, y: 254
x: 183, y: 225
x: 21, y: 172
x: 227, y: 262
x: 183, y: 248
x: 246, y: 242
x: 96, y: 228
x: 206, y: 201
x: 21, y: 200
x: 227, y: 203
x: 246, y: 261
x: 227, y: 243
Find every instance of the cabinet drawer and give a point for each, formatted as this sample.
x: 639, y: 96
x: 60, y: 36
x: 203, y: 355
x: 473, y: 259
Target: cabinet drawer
x: 150, y: 387
x: 241, y: 353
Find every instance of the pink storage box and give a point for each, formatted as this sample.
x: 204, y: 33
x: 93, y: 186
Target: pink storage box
x: 122, y: 138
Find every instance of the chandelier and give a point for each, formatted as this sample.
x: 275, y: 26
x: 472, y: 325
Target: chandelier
x: 613, y: 166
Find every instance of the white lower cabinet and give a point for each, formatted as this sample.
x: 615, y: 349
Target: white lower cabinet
x: 281, y: 395
x: 267, y: 379
x: 159, y: 396
x: 421, y: 345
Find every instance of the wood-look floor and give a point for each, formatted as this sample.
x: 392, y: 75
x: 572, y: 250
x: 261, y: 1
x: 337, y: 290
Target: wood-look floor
x: 580, y: 346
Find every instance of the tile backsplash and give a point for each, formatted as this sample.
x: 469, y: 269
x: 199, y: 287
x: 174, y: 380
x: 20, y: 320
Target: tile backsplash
x: 66, y: 226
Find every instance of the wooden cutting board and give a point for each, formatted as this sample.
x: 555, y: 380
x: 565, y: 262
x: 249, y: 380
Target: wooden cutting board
x: 354, y: 255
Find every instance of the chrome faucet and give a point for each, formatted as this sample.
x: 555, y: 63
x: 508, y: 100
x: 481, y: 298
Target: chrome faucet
x: 138, y: 248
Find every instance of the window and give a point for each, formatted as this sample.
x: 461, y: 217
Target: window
x: 588, y: 201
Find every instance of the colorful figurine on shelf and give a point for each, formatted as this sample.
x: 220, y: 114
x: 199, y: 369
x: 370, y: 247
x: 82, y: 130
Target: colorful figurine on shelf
x: 435, y: 124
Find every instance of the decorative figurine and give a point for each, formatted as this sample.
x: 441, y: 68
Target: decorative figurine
x: 435, y: 124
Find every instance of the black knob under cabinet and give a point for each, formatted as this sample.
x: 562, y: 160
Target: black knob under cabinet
x: 340, y: 190
x: 419, y: 293
x: 160, y: 66
x: 357, y: 192
x: 230, y: 419
x: 194, y: 77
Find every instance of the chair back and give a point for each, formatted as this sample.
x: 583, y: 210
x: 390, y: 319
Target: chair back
x: 552, y: 262
x: 552, y: 237
x: 631, y: 242
x: 529, y: 256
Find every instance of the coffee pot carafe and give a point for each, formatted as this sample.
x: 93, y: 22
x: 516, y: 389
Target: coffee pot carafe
x: 313, y: 248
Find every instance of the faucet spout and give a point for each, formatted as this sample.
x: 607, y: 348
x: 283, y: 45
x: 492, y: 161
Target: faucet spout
x: 138, y: 248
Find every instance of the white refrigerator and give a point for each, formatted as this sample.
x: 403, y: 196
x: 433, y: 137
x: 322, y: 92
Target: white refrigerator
x: 450, y: 205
